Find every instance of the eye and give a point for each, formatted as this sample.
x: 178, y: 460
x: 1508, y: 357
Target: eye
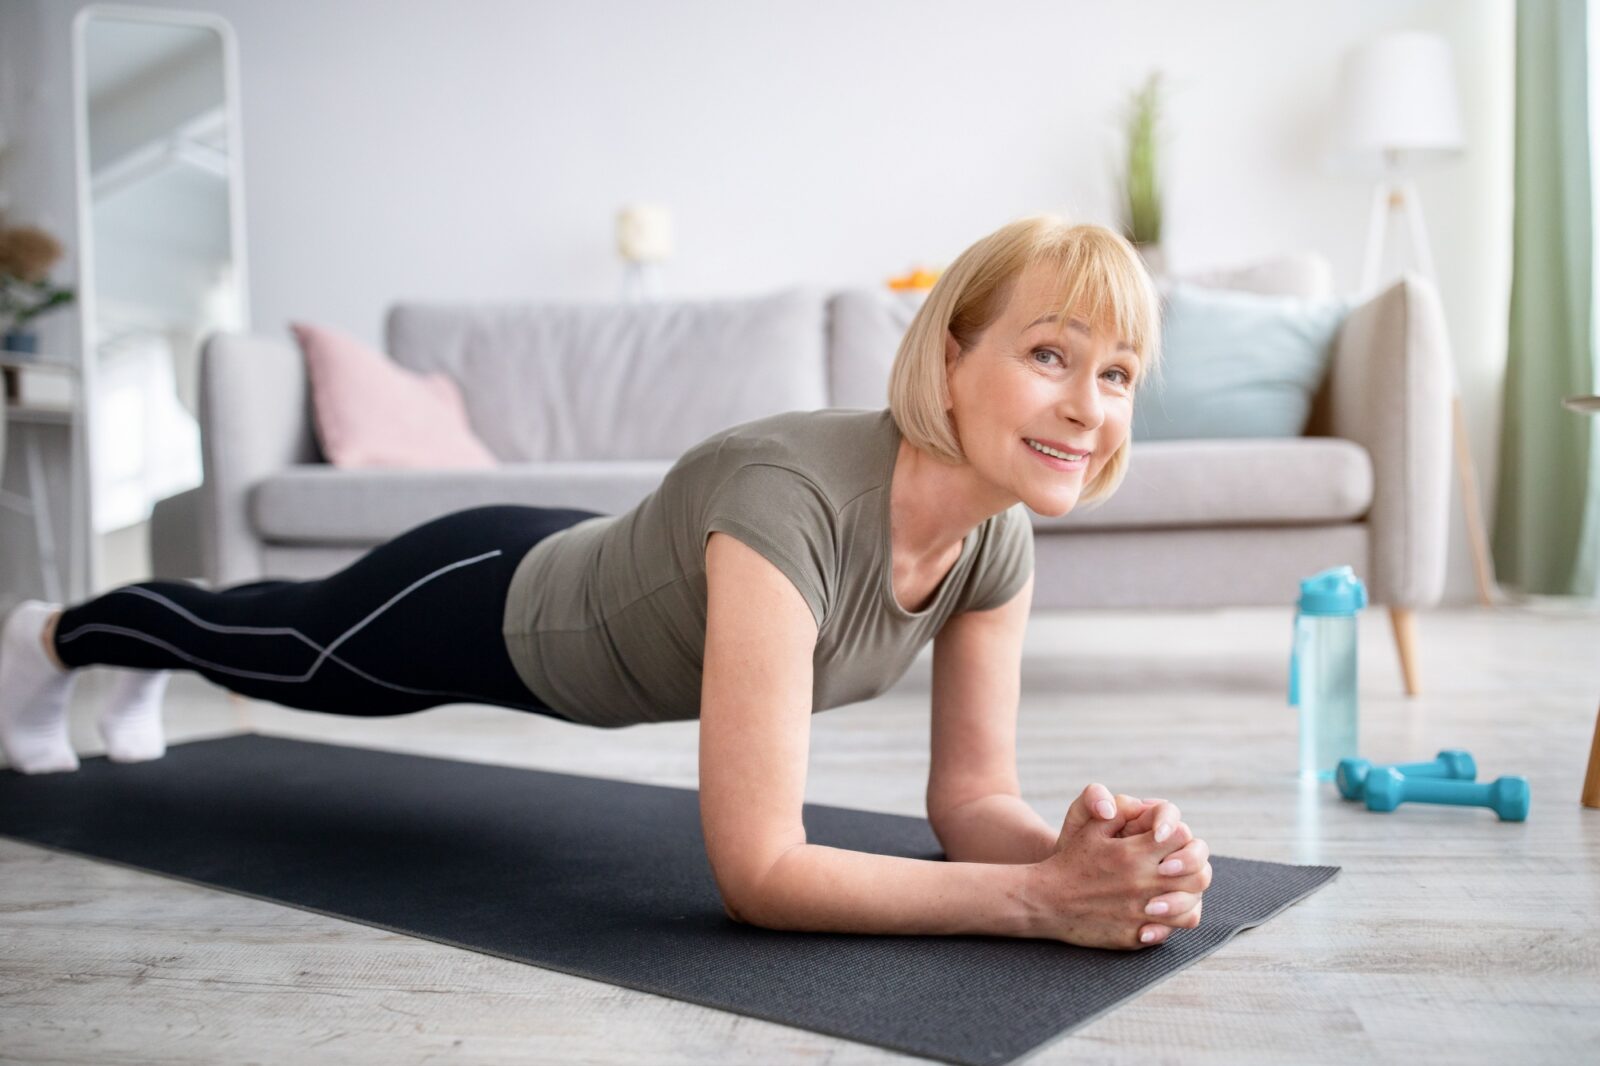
x: 1127, y: 378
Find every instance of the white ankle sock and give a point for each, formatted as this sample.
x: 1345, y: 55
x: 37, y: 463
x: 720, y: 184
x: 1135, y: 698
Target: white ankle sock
x: 33, y: 695
x: 130, y: 720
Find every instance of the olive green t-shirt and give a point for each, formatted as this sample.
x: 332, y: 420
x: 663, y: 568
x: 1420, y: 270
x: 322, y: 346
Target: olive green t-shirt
x: 605, y: 621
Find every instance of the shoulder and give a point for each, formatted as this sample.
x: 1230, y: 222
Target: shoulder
x: 1004, y: 560
x: 833, y: 450
x: 1008, y: 544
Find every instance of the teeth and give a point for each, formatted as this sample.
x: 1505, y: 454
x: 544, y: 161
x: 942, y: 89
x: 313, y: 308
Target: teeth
x: 1051, y: 451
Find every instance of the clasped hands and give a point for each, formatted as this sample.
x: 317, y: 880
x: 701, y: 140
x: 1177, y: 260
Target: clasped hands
x: 1125, y: 872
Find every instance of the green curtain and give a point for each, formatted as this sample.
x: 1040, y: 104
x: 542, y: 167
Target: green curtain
x: 1547, y: 521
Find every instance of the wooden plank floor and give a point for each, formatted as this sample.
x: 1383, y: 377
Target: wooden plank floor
x: 1448, y: 937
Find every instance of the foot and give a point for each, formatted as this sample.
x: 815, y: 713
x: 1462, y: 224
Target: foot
x: 130, y: 720
x: 34, y: 691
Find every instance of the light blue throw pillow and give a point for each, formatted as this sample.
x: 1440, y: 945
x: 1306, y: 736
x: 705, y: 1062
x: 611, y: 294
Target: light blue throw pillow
x: 1237, y: 364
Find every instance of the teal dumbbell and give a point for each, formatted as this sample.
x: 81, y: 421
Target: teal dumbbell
x: 1508, y: 797
x: 1452, y: 763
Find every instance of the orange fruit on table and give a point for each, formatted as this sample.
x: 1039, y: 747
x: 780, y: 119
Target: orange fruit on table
x: 916, y: 279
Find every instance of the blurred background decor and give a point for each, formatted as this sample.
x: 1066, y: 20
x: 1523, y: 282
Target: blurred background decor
x: 644, y: 240
x: 1398, y: 113
x: 917, y: 279
x: 27, y: 255
x: 161, y: 221
x: 1141, y: 184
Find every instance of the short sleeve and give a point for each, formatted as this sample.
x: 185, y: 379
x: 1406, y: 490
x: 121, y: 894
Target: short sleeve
x: 784, y: 516
x: 1004, y: 564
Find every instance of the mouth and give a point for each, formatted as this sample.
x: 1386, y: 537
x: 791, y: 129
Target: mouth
x: 1072, y: 460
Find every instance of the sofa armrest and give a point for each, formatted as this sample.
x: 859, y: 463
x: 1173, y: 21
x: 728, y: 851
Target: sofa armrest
x: 175, y: 537
x: 255, y: 419
x: 1390, y: 389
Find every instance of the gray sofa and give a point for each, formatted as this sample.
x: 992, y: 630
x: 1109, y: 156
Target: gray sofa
x: 588, y: 405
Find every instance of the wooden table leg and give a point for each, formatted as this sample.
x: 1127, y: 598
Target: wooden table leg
x: 1591, y: 780
x: 1404, y: 624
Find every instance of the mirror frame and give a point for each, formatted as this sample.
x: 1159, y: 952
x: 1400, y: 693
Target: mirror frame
x: 93, y: 559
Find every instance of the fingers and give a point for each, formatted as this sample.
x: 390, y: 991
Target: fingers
x: 1101, y: 801
x: 1147, y: 805
x: 1166, y: 817
x: 1175, y: 908
x: 1142, y: 818
x: 1110, y: 811
x: 1198, y: 881
x: 1129, y: 807
x: 1153, y: 933
x: 1186, y: 860
x: 1157, y: 815
x: 1093, y: 806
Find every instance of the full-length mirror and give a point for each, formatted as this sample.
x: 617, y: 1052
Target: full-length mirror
x: 162, y: 255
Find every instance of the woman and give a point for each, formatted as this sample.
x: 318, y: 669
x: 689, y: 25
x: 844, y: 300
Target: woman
x: 784, y: 566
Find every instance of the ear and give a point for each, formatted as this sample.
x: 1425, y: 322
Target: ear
x: 952, y: 355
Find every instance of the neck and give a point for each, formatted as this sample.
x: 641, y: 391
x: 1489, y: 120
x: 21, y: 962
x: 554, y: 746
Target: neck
x: 933, y: 505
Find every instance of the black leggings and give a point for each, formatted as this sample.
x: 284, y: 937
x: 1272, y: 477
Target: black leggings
x: 414, y: 623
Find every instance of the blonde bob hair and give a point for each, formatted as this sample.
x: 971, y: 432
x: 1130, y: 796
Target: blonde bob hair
x: 1100, y: 278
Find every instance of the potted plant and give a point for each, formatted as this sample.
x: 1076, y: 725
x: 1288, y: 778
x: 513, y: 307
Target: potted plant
x: 1141, y: 178
x: 26, y: 292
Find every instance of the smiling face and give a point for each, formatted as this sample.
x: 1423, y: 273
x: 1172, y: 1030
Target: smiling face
x: 1032, y: 377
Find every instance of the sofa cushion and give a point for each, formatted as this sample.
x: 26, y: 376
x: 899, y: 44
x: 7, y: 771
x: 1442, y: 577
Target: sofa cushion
x: 370, y: 412
x: 864, y: 331
x: 1237, y: 364
x: 1267, y: 481
x: 1310, y: 480
x: 577, y: 382
x: 319, y: 504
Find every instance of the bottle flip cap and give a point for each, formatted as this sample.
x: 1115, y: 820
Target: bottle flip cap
x: 1333, y: 591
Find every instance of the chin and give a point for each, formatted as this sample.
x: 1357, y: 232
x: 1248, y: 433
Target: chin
x: 1052, y: 506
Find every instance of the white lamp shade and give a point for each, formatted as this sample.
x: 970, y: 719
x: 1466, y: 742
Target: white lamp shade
x: 644, y: 233
x: 1397, y: 95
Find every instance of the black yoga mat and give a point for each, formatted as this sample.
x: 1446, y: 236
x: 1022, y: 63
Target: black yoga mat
x: 599, y: 878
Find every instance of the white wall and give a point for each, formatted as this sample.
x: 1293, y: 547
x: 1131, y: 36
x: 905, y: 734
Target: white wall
x: 478, y: 150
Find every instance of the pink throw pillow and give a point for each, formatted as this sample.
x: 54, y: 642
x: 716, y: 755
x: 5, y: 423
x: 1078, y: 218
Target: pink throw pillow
x: 371, y: 412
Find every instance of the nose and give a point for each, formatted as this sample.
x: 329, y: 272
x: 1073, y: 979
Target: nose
x: 1080, y: 402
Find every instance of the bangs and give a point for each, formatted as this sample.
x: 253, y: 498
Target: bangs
x: 1108, y: 289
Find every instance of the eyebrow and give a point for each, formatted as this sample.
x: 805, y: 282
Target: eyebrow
x: 1076, y: 325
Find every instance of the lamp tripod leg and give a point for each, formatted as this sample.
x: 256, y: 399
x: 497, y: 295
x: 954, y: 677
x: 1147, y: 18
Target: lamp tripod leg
x: 1482, y: 561
x: 1377, y: 235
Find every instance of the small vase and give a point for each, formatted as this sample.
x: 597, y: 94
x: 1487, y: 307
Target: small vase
x: 21, y: 341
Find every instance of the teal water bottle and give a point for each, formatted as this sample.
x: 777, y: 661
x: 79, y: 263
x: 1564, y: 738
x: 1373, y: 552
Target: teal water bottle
x: 1322, y: 669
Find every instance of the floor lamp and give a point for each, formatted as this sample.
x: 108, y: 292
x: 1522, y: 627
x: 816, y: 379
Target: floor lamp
x: 644, y: 239
x: 1398, y: 108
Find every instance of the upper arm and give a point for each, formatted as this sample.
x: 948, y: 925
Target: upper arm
x: 977, y: 680
x: 755, y: 716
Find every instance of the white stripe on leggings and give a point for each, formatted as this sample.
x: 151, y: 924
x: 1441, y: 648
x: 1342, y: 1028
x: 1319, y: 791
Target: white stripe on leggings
x: 326, y: 652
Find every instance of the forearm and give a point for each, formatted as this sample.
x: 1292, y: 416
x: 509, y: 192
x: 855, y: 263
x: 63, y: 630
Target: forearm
x: 814, y: 888
x: 996, y: 829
